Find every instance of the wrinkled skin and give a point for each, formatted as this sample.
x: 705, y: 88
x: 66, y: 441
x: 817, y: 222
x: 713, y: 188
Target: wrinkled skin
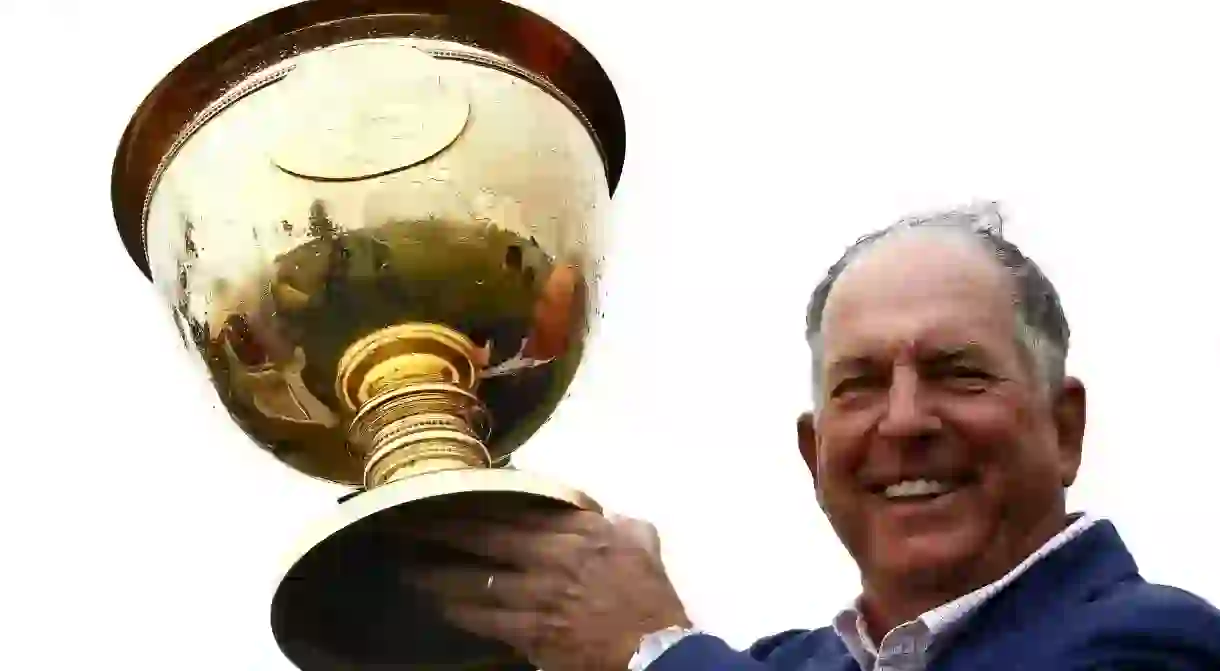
x: 572, y: 591
x: 923, y: 377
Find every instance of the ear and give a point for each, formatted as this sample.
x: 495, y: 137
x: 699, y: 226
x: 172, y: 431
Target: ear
x: 807, y: 443
x: 1069, y: 413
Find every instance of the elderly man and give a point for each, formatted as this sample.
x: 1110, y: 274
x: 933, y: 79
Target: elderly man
x: 944, y: 438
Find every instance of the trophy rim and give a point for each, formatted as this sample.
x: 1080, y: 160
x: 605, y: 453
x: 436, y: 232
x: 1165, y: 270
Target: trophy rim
x: 197, y: 83
x: 358, y: 505
x: 360, y: 509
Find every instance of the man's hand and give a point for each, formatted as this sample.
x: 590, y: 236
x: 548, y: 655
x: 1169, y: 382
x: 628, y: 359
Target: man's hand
x: 571, y: 591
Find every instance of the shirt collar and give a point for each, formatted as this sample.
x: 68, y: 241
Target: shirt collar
x: 931, y: 629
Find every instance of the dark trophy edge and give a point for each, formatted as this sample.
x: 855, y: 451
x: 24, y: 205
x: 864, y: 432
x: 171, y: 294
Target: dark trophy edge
x: 524, y: 38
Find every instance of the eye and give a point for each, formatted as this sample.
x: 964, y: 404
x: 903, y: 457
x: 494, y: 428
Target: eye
x: 851, y: 384
x: 966, y: 373
x: 968, y: 379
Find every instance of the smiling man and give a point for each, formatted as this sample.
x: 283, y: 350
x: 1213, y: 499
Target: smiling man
x: 944, y: 437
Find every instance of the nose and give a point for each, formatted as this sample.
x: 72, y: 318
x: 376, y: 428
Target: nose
x: 906, y: 414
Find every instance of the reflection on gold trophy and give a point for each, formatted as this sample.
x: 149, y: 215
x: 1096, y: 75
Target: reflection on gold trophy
x: 377, y: 222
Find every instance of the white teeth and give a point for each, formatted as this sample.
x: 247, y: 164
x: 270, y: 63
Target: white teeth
x: 916, y: 488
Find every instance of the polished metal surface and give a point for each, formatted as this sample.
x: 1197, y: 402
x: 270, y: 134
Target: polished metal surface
x: 379, y: 225
x: 492, y: 229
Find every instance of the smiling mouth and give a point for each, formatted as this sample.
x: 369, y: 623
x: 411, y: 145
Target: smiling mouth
x: 922, y: 489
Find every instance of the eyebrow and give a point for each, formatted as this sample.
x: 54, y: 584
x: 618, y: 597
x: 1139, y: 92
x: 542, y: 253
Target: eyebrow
x: 849, y: 364
x: 938, y: 356
x: 969, y: 353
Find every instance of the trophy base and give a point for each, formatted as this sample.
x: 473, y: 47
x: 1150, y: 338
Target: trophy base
x: 344, y: 605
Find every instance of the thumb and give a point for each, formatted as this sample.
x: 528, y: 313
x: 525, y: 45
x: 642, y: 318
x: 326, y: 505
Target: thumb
x: 640, y: 531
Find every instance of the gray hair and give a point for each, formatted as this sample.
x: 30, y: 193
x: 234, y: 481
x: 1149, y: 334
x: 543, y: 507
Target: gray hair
x: 1042, y: 328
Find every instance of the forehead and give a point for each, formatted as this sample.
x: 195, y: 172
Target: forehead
x: 916, y: 291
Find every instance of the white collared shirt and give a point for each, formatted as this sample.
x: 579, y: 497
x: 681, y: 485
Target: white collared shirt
x: 910, y: 646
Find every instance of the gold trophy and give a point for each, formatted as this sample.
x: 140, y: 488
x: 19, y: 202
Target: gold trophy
x: 377, y: 222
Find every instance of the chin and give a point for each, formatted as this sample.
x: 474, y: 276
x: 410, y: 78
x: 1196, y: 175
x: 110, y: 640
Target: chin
x: 927, y: 567
x: 929, y: 556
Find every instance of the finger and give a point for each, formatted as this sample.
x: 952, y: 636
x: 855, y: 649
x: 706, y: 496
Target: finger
x: 473, y: 586
x: 640, y: 531
x: 511, y: 536
x: 498, y: 544
x: 517, y: 629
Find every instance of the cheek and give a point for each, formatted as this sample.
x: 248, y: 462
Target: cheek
x: 992, y: 429
x: 836, y: 492
x: 1008, y: 449
x: 840, y: 455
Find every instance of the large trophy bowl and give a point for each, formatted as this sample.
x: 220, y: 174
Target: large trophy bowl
x: 377, y: 222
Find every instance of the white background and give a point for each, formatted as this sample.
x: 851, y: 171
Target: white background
x: 142, y: 529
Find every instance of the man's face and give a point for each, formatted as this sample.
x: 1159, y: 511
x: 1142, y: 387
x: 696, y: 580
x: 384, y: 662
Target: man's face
x: 938, y: 454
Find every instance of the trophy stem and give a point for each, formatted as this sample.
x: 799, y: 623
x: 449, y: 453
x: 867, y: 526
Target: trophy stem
x: 412, y: 389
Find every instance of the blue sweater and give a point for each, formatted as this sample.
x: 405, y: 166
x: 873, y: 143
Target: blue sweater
x: 1084, y: 607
